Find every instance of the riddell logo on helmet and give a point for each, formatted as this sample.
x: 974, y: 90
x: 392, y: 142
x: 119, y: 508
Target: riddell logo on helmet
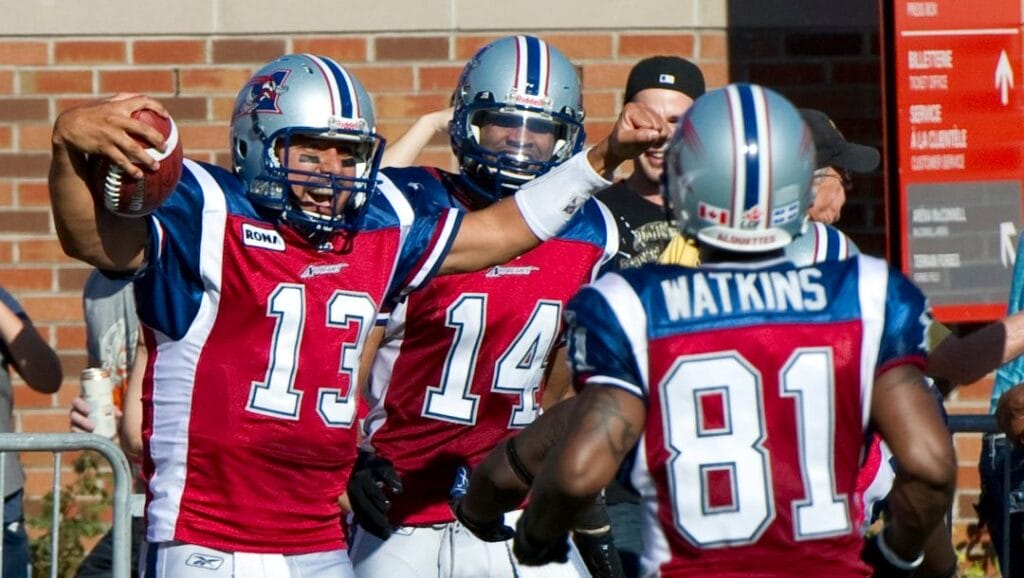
x: 529, y: 100
x: 337, y: 123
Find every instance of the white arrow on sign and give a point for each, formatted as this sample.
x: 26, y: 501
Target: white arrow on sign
x: 1007, y: 247
x: 1004, y: 78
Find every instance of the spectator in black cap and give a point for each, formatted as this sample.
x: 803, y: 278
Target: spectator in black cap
x: 668, y: 85
x: 837, y: 159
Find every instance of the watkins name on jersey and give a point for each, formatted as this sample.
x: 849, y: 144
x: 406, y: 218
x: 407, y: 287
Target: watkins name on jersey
x: 700, y: 293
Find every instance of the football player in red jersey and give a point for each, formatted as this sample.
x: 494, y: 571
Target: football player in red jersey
x: 257, y: 290
x: 463, y: 359
x: 741, y: 391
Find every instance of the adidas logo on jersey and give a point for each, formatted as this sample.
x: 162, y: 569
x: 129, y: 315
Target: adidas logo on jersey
x: 317, y: 270
x: 500, y: 271
x: 254, y: 236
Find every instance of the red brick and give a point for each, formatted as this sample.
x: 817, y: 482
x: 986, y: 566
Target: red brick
x: 384, y: 78
x: 980, y: 390
x: 603, y: 105
x: 169, y: 51
x: 34, y: 279
x: 35, y: 137
x: 222, y: 108
x: 967, y: 477
x: 642, y: 45
x: 23, y: 53
x: 53, y: 308
x: 581, y: 46
x: 73, y: 363
x: 6, y: 137
x: 467, y: 46
x: 24, y: 109
x: 56, y: 82
x: 70, y: 336
x: 185, y: 108
x: 30, y: 222
x: 6, y: 252
x: 968, y: 447
x: 54, y: 421
x: 25, y: 165
x: 713, y: 46
x: 716, y: 74
x: 412, y: 48
x: 6, y: 193
x: 206, y: 80
x: 246, y: 50
x: 204, y: 136
x: 72, y: 279
x: 408, y: 105
x: 148, y: 81
x: 42, y: 251
x: 6, y: 82
x: 605, y: 75
x: 439, y: 77
x: 342, y: 49
x: 27, y: 398
x: 89, y: 52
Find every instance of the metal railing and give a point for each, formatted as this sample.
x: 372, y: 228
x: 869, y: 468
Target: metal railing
x: 986, y: 424
x: 59, y: 443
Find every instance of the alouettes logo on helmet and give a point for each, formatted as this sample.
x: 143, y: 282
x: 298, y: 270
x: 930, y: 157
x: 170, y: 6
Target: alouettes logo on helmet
x: 263, y: 92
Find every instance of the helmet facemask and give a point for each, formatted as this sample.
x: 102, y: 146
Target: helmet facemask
x: 505, y: 146
x: 274, y: 186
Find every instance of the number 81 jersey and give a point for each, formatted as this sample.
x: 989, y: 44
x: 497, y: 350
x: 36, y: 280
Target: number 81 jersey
x: 757, y: 384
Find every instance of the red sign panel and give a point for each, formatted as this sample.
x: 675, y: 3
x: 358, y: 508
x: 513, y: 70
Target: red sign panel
x: 960, y: 132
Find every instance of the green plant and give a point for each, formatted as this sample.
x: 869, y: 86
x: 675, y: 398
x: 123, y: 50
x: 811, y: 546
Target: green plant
x: 82, y: 503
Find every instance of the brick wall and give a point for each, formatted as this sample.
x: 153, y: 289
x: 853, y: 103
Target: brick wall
x: 197, y: 77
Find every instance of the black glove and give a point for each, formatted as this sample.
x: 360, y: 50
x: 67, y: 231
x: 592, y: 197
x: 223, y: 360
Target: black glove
x: 593, y: 538
x: 883, y: 567
x: 368, y: 487
x: 535, y: 553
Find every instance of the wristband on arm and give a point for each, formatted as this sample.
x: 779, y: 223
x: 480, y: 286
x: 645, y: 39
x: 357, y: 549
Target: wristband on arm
x: 548, y: 202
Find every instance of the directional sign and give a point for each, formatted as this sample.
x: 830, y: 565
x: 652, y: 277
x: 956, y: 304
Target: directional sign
x: 960, y: 130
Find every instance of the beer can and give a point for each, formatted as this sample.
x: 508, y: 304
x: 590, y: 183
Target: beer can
x: 98, y: 392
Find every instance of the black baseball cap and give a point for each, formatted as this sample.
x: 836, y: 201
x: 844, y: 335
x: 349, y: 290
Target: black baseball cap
x: 832, y: 147
x: 668, y: 72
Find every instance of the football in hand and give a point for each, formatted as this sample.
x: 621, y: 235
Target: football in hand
x: 130, y: 197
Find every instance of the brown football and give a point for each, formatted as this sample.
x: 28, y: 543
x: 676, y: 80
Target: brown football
x: 130, y: 197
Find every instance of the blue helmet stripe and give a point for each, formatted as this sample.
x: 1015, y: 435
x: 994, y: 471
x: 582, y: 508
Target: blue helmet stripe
x: 752, y: 142
x: 533, y: 66
x: 346, y: 92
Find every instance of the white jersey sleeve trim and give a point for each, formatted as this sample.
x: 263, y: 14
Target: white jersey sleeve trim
x: 608, y: 381
x: 175, y: 367
x: 632, y: 318
x: 873, y: 287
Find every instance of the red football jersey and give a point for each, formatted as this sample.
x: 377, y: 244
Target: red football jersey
x: 255, y: 336
x: 463, y: 359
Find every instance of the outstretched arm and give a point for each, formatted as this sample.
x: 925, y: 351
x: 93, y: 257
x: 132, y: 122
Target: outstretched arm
x: 34, y: 360
x: 967, y: 359
x: 543, y: 206
x: 86, y: 231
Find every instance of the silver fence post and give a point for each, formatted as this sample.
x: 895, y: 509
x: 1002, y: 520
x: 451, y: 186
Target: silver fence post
x: 122, y: 520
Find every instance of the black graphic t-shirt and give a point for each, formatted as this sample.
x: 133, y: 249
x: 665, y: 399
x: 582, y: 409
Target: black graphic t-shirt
x: 644, y: 228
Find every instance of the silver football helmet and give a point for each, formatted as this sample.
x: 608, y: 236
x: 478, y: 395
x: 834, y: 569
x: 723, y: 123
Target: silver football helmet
x: 518, y: 113
x: 312, y: 96
x: 738, y: 170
